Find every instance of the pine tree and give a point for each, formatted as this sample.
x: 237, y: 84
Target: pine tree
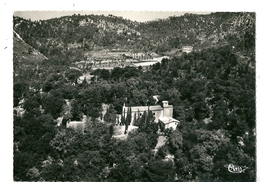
x: 101, y: 115
x: 107, y: 115
x: 123, y: 118
x: 122, y: 121
x: 130, y: 118
x: 126, y: 128
x: 111, y: 130
x: 135, y: 121
x: 150, y: 117
x: 142, y: 121
x: 84, y: 82
x: 138, y: 119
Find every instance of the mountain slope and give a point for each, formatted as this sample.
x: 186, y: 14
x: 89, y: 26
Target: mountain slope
x: 191, y: 29
x: 96, y: 32
x: 24, y: 52
x: 25, y: 57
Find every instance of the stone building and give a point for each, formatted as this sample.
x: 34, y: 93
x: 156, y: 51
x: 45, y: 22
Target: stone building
x: 163, y: 114
x: 76, y: 125
x: 187, y: 49
x: 166, y: 122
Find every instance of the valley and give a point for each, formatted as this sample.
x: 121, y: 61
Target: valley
x: 103, y: 98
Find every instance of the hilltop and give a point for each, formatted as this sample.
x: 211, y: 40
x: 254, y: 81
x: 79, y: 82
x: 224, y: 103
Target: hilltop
x: 203, y: 31
x: 211, y: 89
x: 98, y: 32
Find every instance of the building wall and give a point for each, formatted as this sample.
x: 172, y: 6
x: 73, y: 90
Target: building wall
x: 167, y: 112
x: 76, y: 125
x: 157, y: 114
x: 187, y: 49
x: 167, y: 109
x: 163, y: 126
x: 172, y: 125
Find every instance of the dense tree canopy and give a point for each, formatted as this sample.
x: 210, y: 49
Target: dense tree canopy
x: 212, y: 92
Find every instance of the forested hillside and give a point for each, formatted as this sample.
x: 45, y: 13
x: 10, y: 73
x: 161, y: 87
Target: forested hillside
x: 94, y: 32
x: 202, y: 31
x: 212, y: 92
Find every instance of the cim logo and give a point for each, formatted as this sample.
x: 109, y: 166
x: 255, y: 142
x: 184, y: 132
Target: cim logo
x: 235, y: 169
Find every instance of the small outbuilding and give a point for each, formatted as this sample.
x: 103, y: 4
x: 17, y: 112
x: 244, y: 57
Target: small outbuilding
x: 167, y: 122
x: 187, y: 49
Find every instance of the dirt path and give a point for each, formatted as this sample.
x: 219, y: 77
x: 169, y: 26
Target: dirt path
x: 160, y: 142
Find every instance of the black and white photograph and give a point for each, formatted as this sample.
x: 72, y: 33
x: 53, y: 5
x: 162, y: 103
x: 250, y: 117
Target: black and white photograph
x: 133, y: 96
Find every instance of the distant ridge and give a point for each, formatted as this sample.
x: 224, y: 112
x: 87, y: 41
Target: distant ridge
x: 85, y: 33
